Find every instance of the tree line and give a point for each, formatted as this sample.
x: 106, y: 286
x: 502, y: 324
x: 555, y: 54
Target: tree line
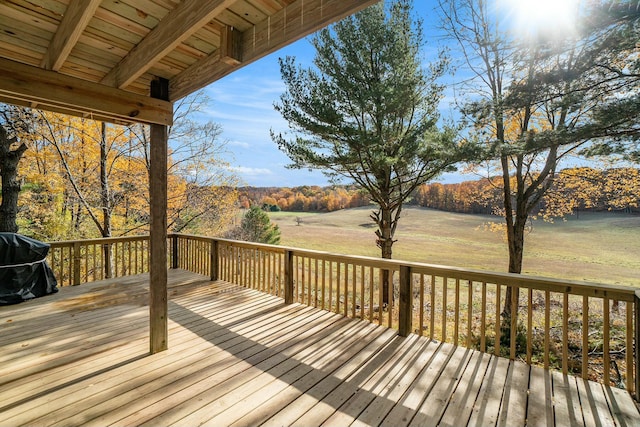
x: 573, y: 190
x: 303, y: 199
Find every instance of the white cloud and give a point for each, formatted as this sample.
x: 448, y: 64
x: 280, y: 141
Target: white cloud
x: 241, y: 144
x: 249, y: 171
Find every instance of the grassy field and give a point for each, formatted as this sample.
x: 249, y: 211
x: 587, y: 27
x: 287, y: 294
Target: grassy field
x: 602, y: 248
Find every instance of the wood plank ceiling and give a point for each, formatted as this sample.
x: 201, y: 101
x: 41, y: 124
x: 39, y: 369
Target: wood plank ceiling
x: 97, y: 57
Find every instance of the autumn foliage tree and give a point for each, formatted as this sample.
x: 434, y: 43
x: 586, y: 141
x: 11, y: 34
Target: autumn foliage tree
x: 85, y: 178
x: 533, y: 103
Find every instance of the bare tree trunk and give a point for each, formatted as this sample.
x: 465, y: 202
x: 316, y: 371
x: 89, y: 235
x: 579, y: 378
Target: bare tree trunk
x: 9, y: 160
x: 105, y: 195
x: 383, y: 219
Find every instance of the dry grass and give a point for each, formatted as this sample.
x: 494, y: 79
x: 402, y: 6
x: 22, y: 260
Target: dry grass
x: 599, y: 248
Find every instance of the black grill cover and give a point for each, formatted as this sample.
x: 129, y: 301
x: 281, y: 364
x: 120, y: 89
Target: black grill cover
x: 24, y: 273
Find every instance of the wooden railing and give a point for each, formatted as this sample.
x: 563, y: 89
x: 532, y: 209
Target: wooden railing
x: 82, y: 261
x: 580, y: 328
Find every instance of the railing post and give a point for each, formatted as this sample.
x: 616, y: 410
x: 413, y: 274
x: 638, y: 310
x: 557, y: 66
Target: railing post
x: 76, y: 263
x: 174, y: 251
x: 405, y: 309
x: 288, y: 277
x: 636, y: 309
x: 213, y: 260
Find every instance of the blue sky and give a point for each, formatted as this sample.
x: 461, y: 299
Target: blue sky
x: 242, y: 103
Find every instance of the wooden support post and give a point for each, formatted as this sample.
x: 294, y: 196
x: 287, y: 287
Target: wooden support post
x: 158, y: 339
x: 174, y: 251
x: 76, y: 263
x: 636, y: 309
x: 213, y: 260
x: 405, y: 309
x: 288, y: 277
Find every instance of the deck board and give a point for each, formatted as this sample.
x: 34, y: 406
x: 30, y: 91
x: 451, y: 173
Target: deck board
x: 243, y: 358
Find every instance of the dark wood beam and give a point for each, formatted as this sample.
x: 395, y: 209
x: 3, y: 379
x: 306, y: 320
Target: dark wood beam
x: 158, y: 309
x: 187, y: 18
x: 231, y: 46
x: 75, y: 20
x: 27, y: 85
x: 299, y: 19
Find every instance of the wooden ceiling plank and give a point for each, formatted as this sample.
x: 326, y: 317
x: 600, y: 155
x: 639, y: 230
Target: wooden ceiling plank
x: 178, y: 25
x: 54, y: 90
x: 297, y: 20
x: 74, y: 21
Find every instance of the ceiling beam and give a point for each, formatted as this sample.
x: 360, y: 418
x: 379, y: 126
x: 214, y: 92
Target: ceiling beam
x: 24, y: 84
x: 187, y: 18
x: 297, y: 20
x: 75, y: 20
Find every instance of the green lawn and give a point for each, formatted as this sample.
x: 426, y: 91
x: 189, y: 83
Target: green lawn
x: 601, y: 248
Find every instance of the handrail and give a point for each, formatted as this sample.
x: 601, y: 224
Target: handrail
x: 80, y: 261
x: 452, y: 304
x: 582, y: 328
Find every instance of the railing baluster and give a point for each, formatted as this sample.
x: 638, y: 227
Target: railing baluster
x: 636, y: 312
x: 323, y: 282
x: 606, y: 325
x: 529, y: 324
x: 469, y: 312
x: 565, y: 334
x: 362, y: 299
x: 513, y: 322
x: 483, y: 319
x: 547, y: 327
x: 371, y: 286
x: 496, y: 346
x: 346, y: 289
x: 338, y: 264
x: 353, y: 290
x: 456, y: 315
x: 630, y: 383
x: 445, y: 291
x: 432, y: 310
x: 421, y: 309
x: 391, y: 298
x: 380, y: 295
x: 585, y: 337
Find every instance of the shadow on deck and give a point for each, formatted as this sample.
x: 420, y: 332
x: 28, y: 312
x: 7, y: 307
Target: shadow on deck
x: 240, y: 357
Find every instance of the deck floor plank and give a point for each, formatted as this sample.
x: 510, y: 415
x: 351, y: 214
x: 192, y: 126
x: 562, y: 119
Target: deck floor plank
x: 416, y: 393
x: 594, y: 404
x: 287, y: 415
x: 381, y: 406
x: 180, y: 371
x: 434, y: 406
x: 281, y: 394
x: 240, y: 357
x: 486, y: 409
x: 566, y: 401
x: 513, y: 410
x: 461, y: 404
x: 540, y: 408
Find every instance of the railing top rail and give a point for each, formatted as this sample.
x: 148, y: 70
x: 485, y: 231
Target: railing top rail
x: 103, y: 240
x: 600, y: 290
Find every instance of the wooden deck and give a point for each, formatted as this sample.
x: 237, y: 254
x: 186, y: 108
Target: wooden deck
x: 240, y: 357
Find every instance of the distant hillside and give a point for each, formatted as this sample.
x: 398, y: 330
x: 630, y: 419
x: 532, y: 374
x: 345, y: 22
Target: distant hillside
x: 574, y: 190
